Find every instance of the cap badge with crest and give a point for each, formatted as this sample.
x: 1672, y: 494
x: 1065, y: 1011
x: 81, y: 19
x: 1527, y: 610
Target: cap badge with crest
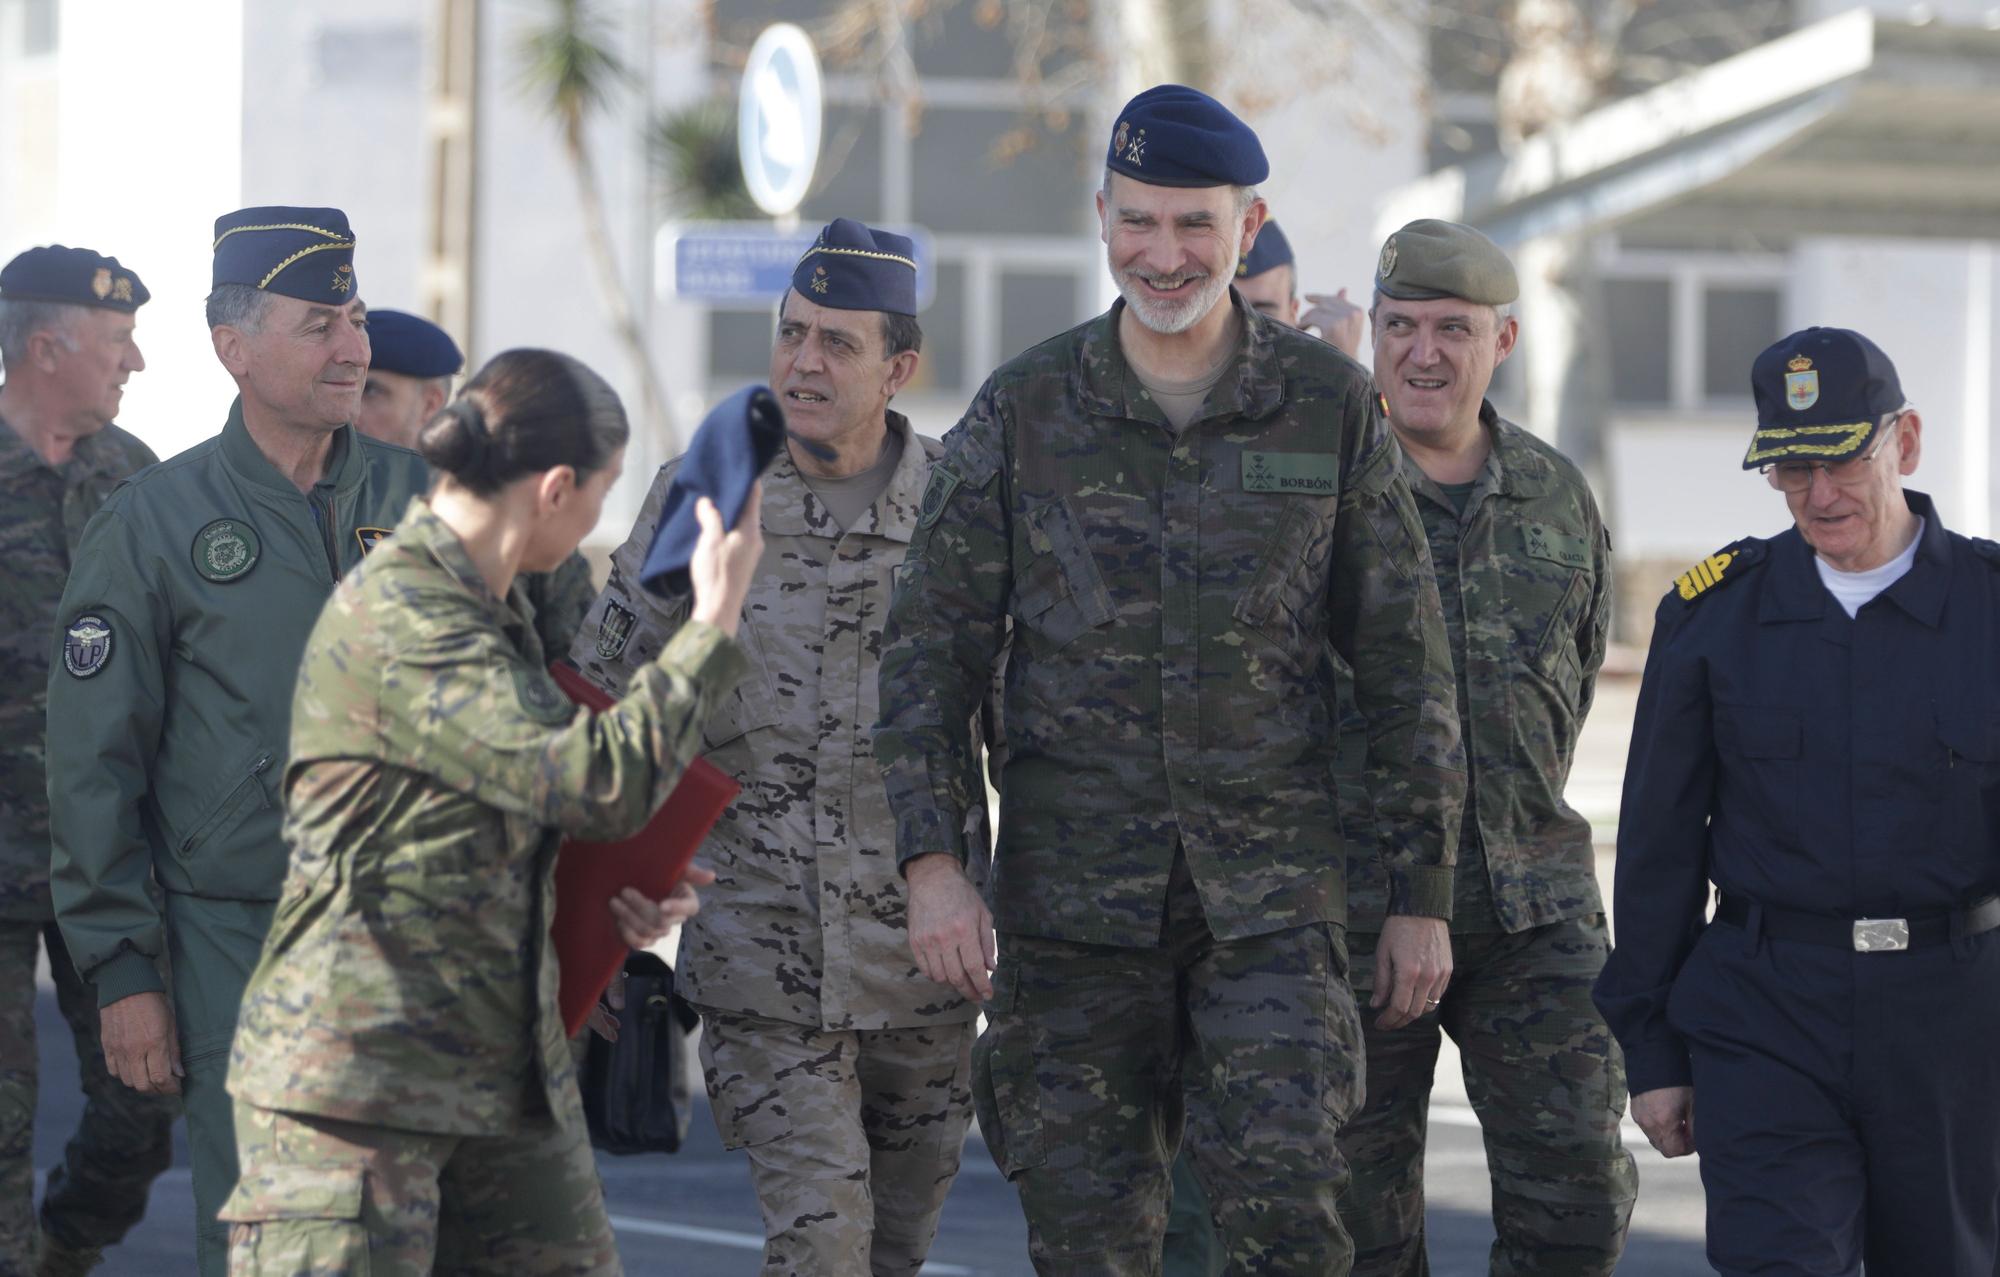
x: 1801, y: 384
x: 1387, y: 266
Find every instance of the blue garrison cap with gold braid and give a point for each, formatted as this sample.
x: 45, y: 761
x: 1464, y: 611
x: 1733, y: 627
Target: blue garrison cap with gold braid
x: 1271, y: 251
x: 855, y: 267
x: 72, y: 277
x: 307, y: 253
x: 1172, y: 135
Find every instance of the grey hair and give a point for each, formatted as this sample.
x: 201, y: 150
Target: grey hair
x: 238, y: 306
x: 21, y: 320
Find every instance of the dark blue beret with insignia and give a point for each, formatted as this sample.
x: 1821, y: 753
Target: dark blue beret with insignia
x: 411, y: 345
x: 1172, y: 135
x: 1821, y: 395
x: 307, y: 253
x: 855, y: 267
x: 737, y: 440
x: 71, y: 277
x: 1271, y: 251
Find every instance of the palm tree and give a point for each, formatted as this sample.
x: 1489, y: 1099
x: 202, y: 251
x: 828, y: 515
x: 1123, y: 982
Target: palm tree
x: 570, y: 65
x: 696, y: 171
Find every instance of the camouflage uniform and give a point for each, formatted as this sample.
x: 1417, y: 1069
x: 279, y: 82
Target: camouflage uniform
x: 125, y: 1138
x: 433, y: 766
x: 801, y: 950
x: 1169, y: 861
x: 204, y: 575
x: 560, y: 599
x: 1525, y: 577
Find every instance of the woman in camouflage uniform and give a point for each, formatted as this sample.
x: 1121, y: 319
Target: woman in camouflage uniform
x: 405, y: 1097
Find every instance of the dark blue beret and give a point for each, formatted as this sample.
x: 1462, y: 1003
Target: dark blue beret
x: 71, y: 277
x: 854, y: 267
x: 411, y: 345
x: 1271, y: 251
x: 1172, y: 135
x: 736, y: 441
x: 1821, y: 395
x: 307, y: 253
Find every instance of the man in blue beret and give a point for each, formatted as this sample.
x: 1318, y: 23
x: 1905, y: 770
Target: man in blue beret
x: 187, y: 608
x: 1169, y: 517
x: 1818, y: 736
x: 409, y: 376
x: 831, y: 1061
x: 67, y: 317
x: 1268, y: 278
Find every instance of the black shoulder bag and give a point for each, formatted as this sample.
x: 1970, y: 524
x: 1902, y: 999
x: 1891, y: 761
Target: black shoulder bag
x: 636, y: 1091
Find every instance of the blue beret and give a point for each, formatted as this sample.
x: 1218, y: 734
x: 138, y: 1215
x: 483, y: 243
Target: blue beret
x: 854, y: 267
x: 1172, y: 135
x: 1821, y: 394
x: 736, y: 441
x: 71, y: 277
x: 307, y: 253
x: 1271, y: 251
x: 411, y: 345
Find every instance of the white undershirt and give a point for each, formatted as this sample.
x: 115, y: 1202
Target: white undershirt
x: 1854, y: 589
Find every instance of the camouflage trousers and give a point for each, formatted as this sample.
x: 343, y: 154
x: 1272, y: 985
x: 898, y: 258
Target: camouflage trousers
x: 1548, y: 1084
x: 124, y: 1140
x: 318, y: 1197
x: 853, y: 1135
x: 1096, y: 1059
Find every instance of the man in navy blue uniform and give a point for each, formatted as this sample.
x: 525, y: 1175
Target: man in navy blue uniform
x: 1818, y: 734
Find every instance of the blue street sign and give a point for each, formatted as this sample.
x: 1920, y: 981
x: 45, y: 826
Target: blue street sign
x: 747, y: 263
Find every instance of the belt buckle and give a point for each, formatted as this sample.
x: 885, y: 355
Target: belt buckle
x: 1881, y: 935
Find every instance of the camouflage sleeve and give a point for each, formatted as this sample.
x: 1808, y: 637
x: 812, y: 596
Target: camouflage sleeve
x: 1387, y: 623
x: 947, y: 623
x: 105, y: 728
x: 1594, y: 628
x: 466, y: 709
x: 561, y: 598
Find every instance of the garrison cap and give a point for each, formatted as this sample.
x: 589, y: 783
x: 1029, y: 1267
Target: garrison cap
x: 1429, y: 259
x: 1821, y: 395
x: 855, y: 267
x: 411, y: 345
x: 71, y: 277
x: 1271, y: 251
x: 1172, y: 135
x: 736, y: 442
x: 307, y: 253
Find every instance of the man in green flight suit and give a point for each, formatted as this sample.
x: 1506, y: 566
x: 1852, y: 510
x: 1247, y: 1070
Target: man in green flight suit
x: 181, y: 632
x: 67, y: 317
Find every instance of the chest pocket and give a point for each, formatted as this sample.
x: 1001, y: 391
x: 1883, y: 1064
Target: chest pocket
x: 1058, y: 593
x: 1759, y: 751
x: 1558, y: 579
x: 1969, y: 740
x: 751, y: 704
x: 1290, y: 584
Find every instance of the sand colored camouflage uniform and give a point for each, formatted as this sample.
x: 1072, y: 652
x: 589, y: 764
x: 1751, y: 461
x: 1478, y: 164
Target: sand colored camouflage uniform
x: 404, y: 1012
x: 801, y: 950
x: 124, y: 1140
x: 1525, y: 577
x: 1169, y: 857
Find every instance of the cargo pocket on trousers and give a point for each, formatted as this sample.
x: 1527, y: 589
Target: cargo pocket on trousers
x: 297, y: 1219
x: 1341, y: 1066
x: 1005, y: 1093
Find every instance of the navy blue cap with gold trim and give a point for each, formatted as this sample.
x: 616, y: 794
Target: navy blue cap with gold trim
x: 1172, y: 135
x: 1821, y: 395
x: 71, y: 277
x: 1271, y: 251
x: 856, y: 267
x: 307, y: 253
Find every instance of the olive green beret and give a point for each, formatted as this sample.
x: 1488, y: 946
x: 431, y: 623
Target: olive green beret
x: 1429, y: 259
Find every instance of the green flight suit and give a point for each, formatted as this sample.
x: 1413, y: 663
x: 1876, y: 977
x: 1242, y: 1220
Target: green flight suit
x: 170, y: 696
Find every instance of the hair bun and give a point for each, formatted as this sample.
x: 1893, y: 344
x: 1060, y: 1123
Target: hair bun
x: 456, y: 440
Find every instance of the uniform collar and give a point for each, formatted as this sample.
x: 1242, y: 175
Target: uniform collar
x: 422, y: 533
x: 91, y: 454
x: 1253, y: 386
x: 1796, y: 593
x: 1513, y: 467
x: 791, y: 508
x: 344, y: 470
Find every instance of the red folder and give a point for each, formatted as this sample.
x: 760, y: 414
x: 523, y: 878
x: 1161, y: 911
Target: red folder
x: 589, y: 949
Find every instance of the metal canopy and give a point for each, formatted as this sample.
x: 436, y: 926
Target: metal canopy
x: 1851, y: 126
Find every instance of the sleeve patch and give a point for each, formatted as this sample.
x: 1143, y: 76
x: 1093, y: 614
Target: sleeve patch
x: 87, y: 645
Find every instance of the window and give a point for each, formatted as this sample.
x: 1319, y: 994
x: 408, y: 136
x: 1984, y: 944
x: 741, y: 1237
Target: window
x: 1736, y: 323
x: 1640, y: 328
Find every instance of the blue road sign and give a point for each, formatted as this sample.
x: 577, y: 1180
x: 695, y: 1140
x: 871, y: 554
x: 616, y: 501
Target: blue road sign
x: 750, y: 262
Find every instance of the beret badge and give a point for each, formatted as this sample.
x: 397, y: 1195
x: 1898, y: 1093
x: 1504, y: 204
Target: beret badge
x: 1387, y: 266
x: 100, y: 283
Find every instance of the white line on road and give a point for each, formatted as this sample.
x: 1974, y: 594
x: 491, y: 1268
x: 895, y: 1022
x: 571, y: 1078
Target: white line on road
x: 736, y: 1241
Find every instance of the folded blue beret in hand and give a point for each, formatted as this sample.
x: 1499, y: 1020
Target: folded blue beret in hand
x: 737, y: 440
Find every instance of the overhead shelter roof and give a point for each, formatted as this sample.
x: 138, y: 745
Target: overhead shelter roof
x: 1851, y: 126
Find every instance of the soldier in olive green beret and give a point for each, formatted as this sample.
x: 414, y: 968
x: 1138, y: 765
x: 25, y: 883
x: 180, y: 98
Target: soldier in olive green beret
x: 1523, y: 568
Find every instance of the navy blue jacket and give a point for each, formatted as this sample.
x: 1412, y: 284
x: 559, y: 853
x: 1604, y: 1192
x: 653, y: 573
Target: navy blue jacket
x: 1805, y: 760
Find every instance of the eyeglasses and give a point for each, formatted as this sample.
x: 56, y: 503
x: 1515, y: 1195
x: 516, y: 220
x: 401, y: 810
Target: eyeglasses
x: 1797, y: 476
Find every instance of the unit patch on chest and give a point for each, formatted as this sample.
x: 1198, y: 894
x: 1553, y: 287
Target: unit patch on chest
x: 225, y: 550
x: 1315, y: 473
x: 370, y: 537
x: 614, y: 631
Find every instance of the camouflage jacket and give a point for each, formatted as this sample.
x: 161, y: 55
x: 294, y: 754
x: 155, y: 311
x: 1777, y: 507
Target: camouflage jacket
x: 183, y: 621
x: 1533, y: 586
x: 806, y: 921
x: 43, y: 509
x: 1172, y: 595
x: 560, y: 599
x: 407, y: 979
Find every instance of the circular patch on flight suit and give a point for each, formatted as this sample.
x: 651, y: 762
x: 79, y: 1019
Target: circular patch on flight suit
x: 86, y: 645
x: 226, y: 550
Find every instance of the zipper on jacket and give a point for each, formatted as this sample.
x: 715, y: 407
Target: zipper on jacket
x: 323, y: 516
x: 227, y: 805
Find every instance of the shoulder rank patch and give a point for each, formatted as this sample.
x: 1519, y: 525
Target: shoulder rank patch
x: 225, y: 550
x: 937, y: 494
x: 614, y: 631
x: 1715, y: 570
x: 370, y: 537
x: 86, y: 645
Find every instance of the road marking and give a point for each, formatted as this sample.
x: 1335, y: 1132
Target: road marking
x: 738, y: 1241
